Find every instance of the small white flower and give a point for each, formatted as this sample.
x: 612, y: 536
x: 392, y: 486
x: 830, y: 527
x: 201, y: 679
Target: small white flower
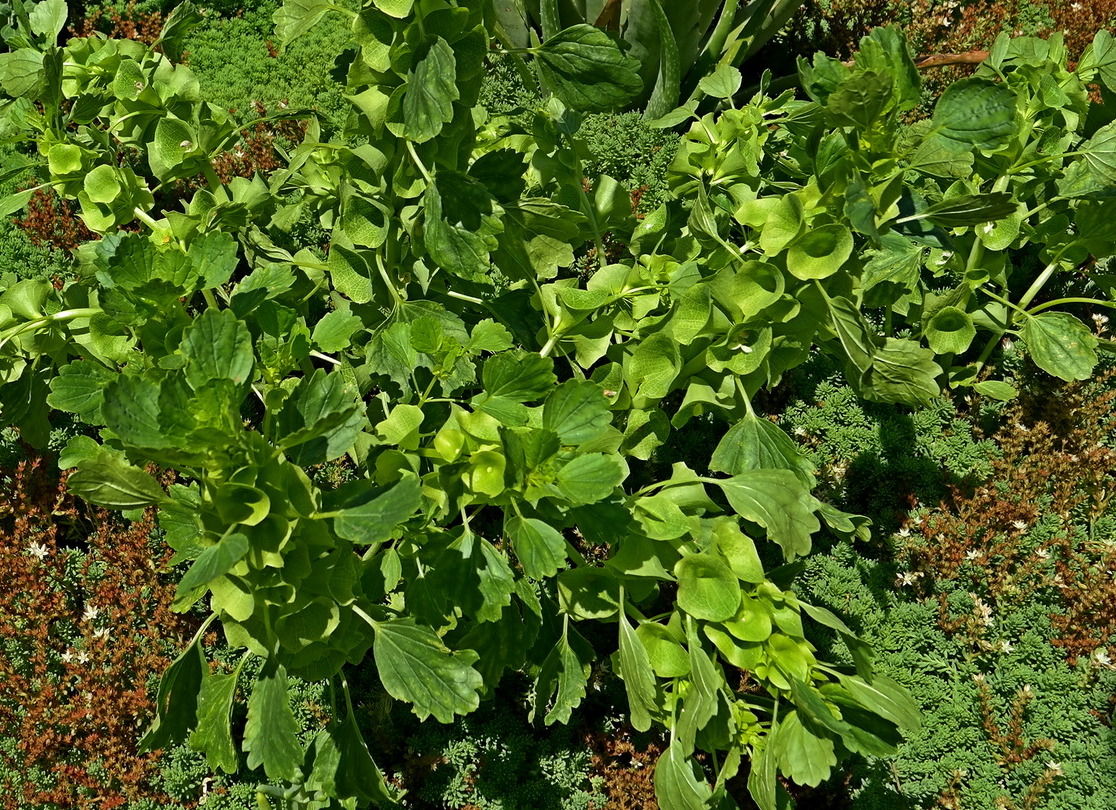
x: 1056, y: 767
x: 38, y: 550
x: 1008, y: 344
x: 1042, y: 553
x: 1101, y: 657
x: 83, y: 657
x: 1027, y: 691
x: 908, y: 578
x: 1019, y: 524
x: 90, y: 613
x: 800, y: 431
x: 972, y: 554
x: 1006, y: 646
x: 1099, y: 319
x: 67, y: 656
x: 102, y: 633
x: 904, y: 532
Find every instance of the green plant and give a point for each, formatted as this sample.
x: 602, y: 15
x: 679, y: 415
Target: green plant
x: 499, y: 348
x: 683, y: 49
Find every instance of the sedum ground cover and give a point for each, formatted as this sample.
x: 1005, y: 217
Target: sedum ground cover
x: 886, y: 265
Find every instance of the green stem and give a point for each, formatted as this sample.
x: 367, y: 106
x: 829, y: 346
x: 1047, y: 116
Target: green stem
x: 418, y: 162
x: 210, y: 299
x: 214, y: 182
x: 1060, y: 301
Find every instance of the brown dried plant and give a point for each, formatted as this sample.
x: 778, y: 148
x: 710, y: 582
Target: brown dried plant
x: 85, y: 631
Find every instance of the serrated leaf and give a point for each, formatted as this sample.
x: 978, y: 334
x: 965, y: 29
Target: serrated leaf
x: 334, y: 332
x: 271, y: 732
x: 541, y: 549
x: 113, y: 483
x: 79, y: 389
x: 518, y: 376
x: 586, y: 69
x: 591, y: 478
x: 176, y: 703
x: 213, y: 736
x: 1061, y: 345
x: 462, y: 224
x: 578, y: 412
x: 562, y: 681
x: 431, y: 91
x: 804, y: 756
x: 902, y: 372
x: 296, y: 17
x: 217, y: 346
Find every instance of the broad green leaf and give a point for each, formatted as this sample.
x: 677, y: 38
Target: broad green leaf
x: 756, y: 444
x: 1060, y: 345
x: 724, y: 82
x: 819, y: 252
x: 902, y: 372
x: 296, y: 17
x: 177, y: 27
x: 668, y: 82
x: 586, y: 69
x: 804, y: 757
x: 778, y: 501
x: 431, y: 92
x: 21, y: 73
x: 704, y: 700
x: 861, y: 99
x: 400, y: 9
x: 416, y: 667
x: 667, y: 657
x: 763, y: 784
x: 589, y: 593
x: 970, y: 209
x: 652, y: 367
x: 679, y: 782
x: 782, y: 224
x: 541, y: 549
x: 976, y: 113
x: 358, y: 775
x: 950, y: 331
x: 174, y: 141
x: 518, y: 375
x: 373, y: 516
x: 592, y: 477
x: 176, y: 703
x: 997, y: 389
x: 860, y: 650
x: 1095, y: 168
x: 461, y: 226
x: 578, y: 412
x: 707, y: 587
x: 79, y: 389
x: 48, y: 18
x: 113, y: 483
x: 213, y: 736
x: 635, y: 671
x: 886, y: 698
x: 215, y: 561
x: 334, y: 332
x: 217, y: 346
x: 739, y: 549
x: 65, y: 158
x: 561, y: 683
x: 271, y: 731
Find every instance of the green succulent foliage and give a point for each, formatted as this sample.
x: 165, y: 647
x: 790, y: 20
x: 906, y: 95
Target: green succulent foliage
x: 491, y: 396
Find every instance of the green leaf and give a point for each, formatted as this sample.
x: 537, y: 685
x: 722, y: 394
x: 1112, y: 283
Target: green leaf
x: 668, y: 83
x: 518, y: 375
x: 739, y: 549
x: 803, y: 756
x: 541, y: 549
x: 296, y: 17
x: 48, y: 18
x: 578, y: 412
x: 724, y: 82
x: 970, y: 209
x: 65, y: 158
x: 431, y: 91
x: 1060, y: 345
x: 111, y: 482
x: 214, y: 562
x: 859, y: 100
x: 976, y: 113
x: 635, y: 671
x: 176, y: 703
x: 763, y: 783
x: 756, y: 444
x: 271, y: 732
x: 586, y: 69
x: 334, y: 332
x: 217, y: 346
x: 902, y: 372
x: 400, y: 9
x: 668, y: 658
x: 21, y: 73
x: 177, y: 27
x: 462, y: 224
x: 358, y: 775
x: 819, y: 252
x: 950, y: 331
x: 79, y: 389
x: 592, y: 477
x: 707, y: 587
x: 174, y: 141
x: 213, y: 736
x: 997, y: 389
x: 562, y: 680
x: 373, y: 516
x: 886, y: 698
x: 679, y: 782
x: 778, y: 501
x: 1095, y: 168
x: 416, y: 667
